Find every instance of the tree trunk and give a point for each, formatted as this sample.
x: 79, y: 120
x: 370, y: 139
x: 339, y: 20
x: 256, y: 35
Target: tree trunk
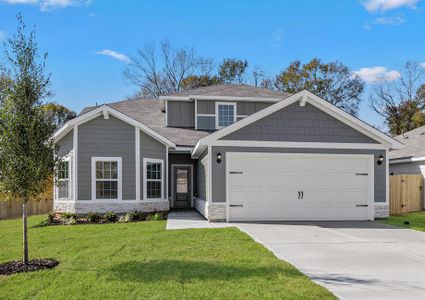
x: 25, y: 231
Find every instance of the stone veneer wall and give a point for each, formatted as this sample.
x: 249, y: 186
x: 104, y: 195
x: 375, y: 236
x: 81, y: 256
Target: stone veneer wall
x: 382, y: 210
x: 83, y: 207
x: 217, y: 212
x: 213, y: 212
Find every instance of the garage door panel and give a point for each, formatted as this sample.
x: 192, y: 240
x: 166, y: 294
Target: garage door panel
x: 266, y: 187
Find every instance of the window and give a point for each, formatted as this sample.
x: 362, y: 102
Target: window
x: 63, y: 188
x: 153, y: 178
x: 106, y: 176
x: 225, y: 114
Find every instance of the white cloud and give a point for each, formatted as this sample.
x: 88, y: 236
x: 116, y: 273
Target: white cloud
x: 46, y: 5
x: 377, y: 74
x: 383, y: 5
x: 397, y: 20
x: 422, y: 65
x: 114, y: 54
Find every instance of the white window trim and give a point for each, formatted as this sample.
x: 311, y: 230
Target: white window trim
x: 64, y: 159
x: 93, y: 177
x: 217, y: 115
x: 145, y: 162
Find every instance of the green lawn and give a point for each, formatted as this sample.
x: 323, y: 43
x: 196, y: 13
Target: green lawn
x: 143, y: 260
x: 416, y: 220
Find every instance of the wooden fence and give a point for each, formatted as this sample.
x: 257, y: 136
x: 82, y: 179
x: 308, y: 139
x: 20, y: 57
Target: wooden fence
x: 13, y: 208
x: 406, y: 194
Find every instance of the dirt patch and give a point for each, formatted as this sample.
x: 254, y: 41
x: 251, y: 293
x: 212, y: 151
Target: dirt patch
x: 13, y: 267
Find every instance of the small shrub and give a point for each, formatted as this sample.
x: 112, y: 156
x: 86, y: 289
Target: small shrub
x: 134, y: 216
x: 67, y: 218
x: 155, y: 217
x: 123, y: 219
x: 67, y: 215
x: 110, y: 216
x: 69, y: 221
x: 51, y: 217
x: 94, y: 217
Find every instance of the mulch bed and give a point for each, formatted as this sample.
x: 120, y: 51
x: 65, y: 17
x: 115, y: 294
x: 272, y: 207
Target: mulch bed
x: 13, y: 267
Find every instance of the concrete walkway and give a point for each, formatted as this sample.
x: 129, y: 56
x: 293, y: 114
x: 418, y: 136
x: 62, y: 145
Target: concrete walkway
x: 354, y: 260
x: 186, y: 219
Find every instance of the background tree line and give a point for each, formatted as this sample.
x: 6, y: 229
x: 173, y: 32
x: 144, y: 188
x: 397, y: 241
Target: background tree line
x: 167, y: 69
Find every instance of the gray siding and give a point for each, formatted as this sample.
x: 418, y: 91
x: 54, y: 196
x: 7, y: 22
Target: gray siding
x: 106, y: 138
x: 180, y: 159
x: 201, y: 175
x: 219, y: 170
x: 150, y: 148
x: 180, y: 114
x: 248, y: 108
x: 205, y: 106
x: 65, y: 144
x: 407, y: 168
x: 206, y: 123
x: 243, y: 108
x: 296, y: 123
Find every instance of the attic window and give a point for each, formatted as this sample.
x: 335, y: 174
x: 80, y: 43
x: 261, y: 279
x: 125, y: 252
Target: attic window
x: 225, y: 114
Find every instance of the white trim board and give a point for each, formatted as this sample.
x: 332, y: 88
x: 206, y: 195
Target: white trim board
x: 406, y: 160
x: 100, y: 111
x: 303, y: 96
x: 315, y: 145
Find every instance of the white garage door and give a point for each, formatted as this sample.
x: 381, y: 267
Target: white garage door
x: 276, y: 186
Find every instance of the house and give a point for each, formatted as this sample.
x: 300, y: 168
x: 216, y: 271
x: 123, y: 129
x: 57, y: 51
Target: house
x: 411, y: 158
x: 233, y: 152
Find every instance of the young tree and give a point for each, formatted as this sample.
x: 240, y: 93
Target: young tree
x: 4, y: 83
x: 402, y: 101
x: 332, y: 81
x: 26, y: 147
x: 233, y: 70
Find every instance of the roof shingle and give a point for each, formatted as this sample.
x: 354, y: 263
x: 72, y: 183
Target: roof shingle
x: 148, y: 110
x: 414, y: 142
x: 233, y: 90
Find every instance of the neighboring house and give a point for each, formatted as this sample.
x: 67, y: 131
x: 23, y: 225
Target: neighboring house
x: 411, y: 158
x: 233, y: 152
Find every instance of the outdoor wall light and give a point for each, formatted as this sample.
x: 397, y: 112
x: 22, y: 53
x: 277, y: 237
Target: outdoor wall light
x: 380, y: 160
x: 218, y: 157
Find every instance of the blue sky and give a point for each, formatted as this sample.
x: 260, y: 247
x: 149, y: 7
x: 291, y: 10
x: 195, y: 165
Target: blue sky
x: 373, y: 37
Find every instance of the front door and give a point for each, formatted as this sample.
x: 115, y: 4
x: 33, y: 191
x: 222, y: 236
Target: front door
x: 182, y: 187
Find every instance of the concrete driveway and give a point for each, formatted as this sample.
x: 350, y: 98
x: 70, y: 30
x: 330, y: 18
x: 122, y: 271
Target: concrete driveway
x: 354, y: 260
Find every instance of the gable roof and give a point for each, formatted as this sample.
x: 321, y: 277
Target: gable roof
x: 230, y: 91
x: 414, y: 144
x: 146, y: 112
x: 105, y: 110
x: 303, y: 97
